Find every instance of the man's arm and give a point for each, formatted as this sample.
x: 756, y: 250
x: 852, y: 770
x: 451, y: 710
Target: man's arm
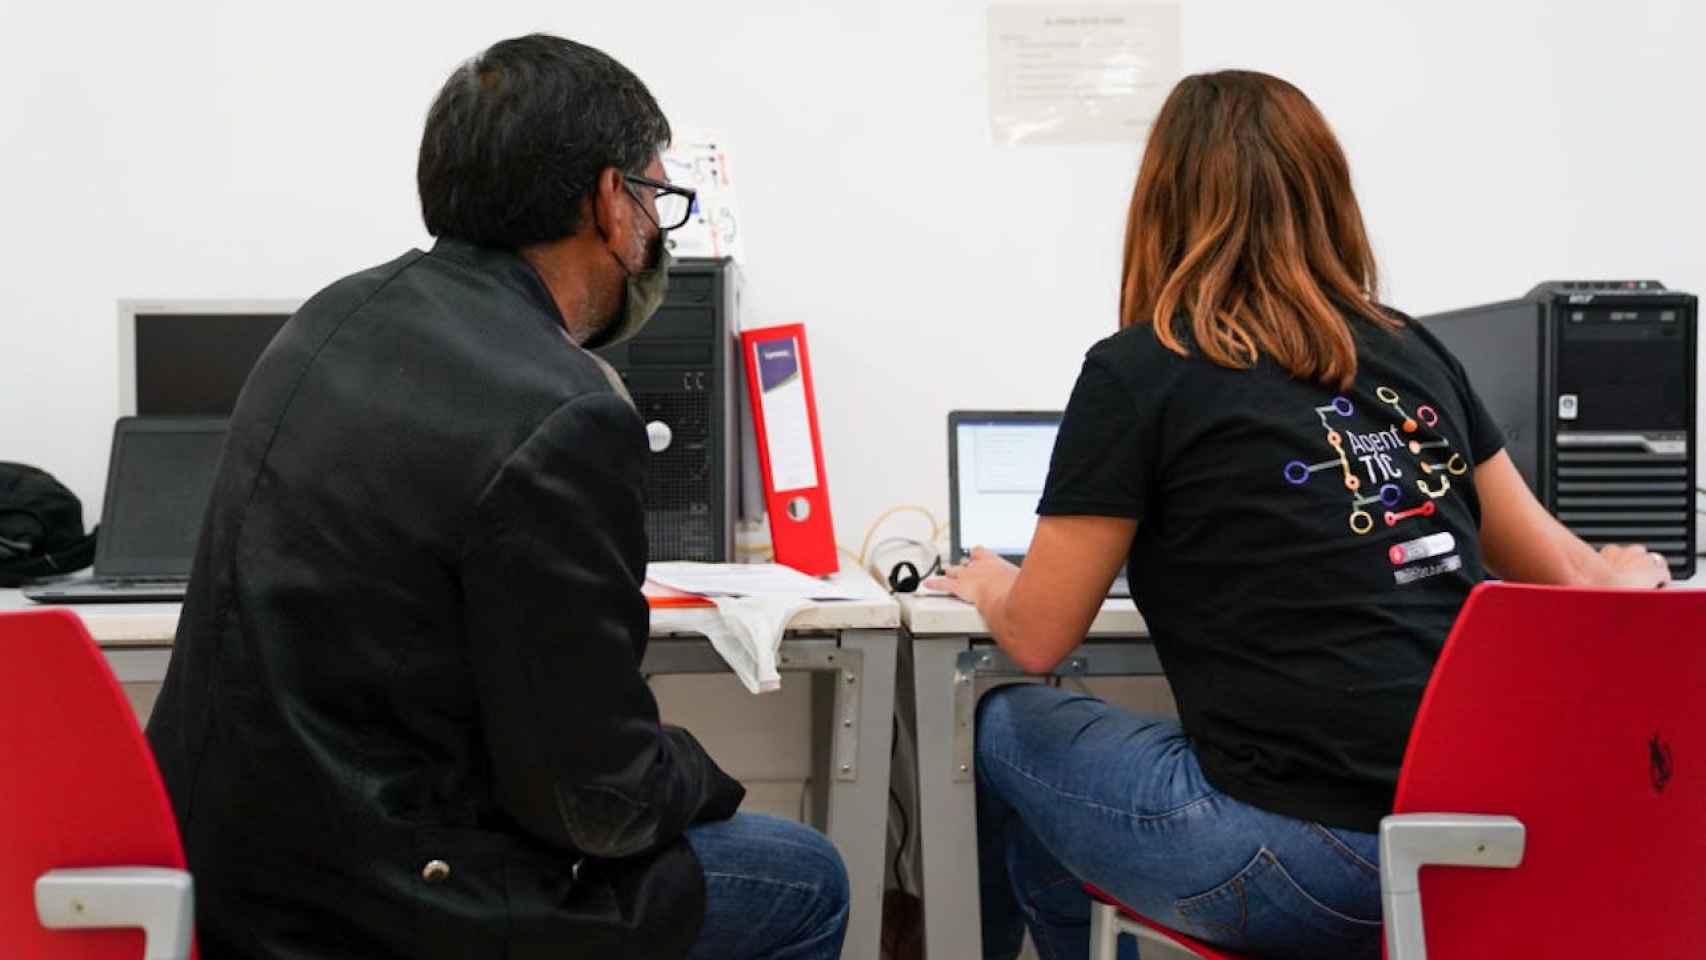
x: 556, y: 624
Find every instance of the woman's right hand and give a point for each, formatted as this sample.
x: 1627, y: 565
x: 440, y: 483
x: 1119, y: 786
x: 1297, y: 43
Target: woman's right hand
x: 1524, y: 544
x: 1635, y: 567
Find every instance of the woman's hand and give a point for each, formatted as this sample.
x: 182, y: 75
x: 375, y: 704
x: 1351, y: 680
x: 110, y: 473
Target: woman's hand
x: 1524, y: 543
x: 1038, y: 618
x: 983, y: 578
x: 1635, y: 567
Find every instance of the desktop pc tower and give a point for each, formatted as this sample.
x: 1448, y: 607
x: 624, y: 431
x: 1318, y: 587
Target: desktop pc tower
x: 683, y: 372
x: 1593, y: 384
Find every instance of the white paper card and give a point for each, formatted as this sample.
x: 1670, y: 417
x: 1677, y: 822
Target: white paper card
x: 1066, y: 73
x: 787, y: 419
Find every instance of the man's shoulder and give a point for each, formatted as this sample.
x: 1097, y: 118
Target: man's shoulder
x: 348, y: 294
x: 454, y: 373
x: 434, y: 313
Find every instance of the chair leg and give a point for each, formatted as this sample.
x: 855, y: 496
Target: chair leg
x: 1104, y: 932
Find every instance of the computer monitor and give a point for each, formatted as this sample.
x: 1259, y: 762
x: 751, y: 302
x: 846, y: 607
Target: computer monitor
x: 191, y: 357
x: 997, y: 464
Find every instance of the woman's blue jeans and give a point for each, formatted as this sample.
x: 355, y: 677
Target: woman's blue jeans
x: 1070, y: 789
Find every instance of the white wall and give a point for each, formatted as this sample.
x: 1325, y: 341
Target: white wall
x: 205, y: 149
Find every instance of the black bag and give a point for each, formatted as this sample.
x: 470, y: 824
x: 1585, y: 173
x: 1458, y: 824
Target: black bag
x: 41, y: 527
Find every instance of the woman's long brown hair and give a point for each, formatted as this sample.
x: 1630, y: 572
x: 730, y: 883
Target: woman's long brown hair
x: 1244, y: 231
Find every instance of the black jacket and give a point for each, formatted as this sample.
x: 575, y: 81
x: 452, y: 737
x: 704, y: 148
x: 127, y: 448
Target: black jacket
x: 413, y: 634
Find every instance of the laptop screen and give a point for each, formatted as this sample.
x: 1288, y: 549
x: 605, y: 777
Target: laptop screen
x: 158, y: 485
x: 1000, y: 463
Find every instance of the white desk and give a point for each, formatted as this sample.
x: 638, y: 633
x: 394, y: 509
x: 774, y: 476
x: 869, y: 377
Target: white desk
x: 951, y: 649
x: 848, y: 648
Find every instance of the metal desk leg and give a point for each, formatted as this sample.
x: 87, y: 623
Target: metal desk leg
x: 859, y: 781
x: 825, y: 698
x: 947, y: 807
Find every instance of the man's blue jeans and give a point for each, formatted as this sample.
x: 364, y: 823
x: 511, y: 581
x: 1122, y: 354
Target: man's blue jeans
x: 774, y: 890
x: 1070, y: 789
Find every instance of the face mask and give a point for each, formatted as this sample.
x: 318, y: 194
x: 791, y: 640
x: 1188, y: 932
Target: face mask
x: 641, y: 299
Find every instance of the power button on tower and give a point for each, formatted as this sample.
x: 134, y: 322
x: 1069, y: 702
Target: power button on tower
x: 1568, y: 406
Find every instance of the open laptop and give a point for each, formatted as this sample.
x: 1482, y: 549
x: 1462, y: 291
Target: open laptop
x: 158, y: 484
x: 997, y: 464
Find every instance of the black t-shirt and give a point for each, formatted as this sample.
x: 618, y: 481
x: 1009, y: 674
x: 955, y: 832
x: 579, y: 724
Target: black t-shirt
x: 1301, y: 552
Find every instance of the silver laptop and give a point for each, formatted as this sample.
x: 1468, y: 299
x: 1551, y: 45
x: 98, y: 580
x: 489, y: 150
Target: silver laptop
x: 997, y: 465
x: 158, y: 484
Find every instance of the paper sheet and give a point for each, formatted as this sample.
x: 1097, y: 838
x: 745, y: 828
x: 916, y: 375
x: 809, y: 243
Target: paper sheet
x: 701, y: 161
x: 1065, y: 73
x: 768, y: 580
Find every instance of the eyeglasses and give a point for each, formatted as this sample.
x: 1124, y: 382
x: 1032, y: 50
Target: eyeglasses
x: 674, y: 204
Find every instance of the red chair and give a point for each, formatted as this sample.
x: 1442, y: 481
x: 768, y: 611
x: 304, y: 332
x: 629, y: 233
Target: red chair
x: 1558, y: 736
x: 91, y: 866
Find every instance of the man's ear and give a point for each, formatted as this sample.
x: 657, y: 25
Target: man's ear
x: 611, y: 208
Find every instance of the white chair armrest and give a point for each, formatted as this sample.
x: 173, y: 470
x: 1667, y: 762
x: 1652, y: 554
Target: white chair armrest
x: 1411, y: 841
x: 160, y: 901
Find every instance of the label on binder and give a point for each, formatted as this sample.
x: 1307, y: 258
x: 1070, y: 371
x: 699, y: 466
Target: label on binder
x: 788, y: 431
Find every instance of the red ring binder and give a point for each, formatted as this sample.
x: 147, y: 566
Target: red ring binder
x: 790, y: 448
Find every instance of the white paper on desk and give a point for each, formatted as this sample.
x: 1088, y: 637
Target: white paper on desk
x: 746, y: 631
x: 766, y: 580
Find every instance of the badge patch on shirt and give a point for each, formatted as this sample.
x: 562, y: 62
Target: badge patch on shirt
x: 1422, y: 548
x: 1422, y: 571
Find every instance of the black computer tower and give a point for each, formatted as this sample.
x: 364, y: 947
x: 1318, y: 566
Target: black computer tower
x: 1593, y: 384
x: 682, y: 372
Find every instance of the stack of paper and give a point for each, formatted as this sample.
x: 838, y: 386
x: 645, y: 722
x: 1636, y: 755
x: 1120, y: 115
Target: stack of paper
x: 745, y: 580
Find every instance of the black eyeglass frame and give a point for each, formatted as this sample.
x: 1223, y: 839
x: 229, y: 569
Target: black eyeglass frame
x: 692, y: 196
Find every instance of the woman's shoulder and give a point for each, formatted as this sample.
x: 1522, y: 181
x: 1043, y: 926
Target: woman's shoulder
x: 1133, y: 348
x: 1135, y: 361
x: 1413, y: 334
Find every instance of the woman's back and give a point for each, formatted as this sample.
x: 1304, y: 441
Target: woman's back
x: 1302, y: 550
x: 1294, y: 476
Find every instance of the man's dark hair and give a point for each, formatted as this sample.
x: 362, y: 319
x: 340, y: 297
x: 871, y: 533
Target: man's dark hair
x: 518, y: 136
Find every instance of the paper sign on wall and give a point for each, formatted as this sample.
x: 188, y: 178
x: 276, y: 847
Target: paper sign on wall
x: 1079, y: 73
x: 701, y: 162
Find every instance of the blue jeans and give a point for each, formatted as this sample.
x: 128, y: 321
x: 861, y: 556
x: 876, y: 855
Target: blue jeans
x: 774, y: 890
x: 1070, y: 789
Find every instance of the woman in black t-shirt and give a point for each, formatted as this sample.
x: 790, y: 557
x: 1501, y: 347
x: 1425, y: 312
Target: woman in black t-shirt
x: 1305, y: 488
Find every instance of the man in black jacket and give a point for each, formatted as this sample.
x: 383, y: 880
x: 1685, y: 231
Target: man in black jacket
x: 404, y: 716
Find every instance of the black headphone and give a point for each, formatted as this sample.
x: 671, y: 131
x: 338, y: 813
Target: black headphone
x: 905, y: 578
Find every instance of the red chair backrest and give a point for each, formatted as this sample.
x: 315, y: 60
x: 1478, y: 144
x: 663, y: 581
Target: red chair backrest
x: 1582, y: 714
x: 78, y: 784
